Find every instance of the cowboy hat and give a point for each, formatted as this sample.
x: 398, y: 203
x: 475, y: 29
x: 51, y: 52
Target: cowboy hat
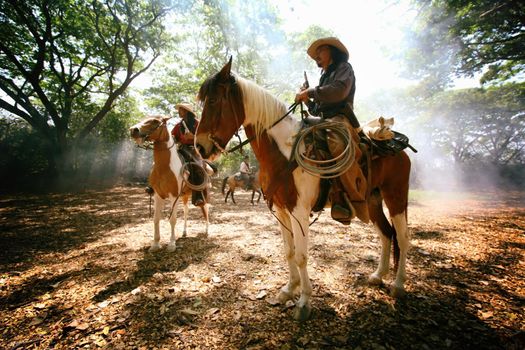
x: 185, y: 106
x: 332, y: 41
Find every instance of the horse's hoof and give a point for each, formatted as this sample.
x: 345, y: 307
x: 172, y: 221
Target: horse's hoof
x: 302, y: 313
x: 154, y: 248
x: 397, y: 292
x: 184, y: 234
x: 375, y: 280
x: 283, y: 297
x: 172, y: 247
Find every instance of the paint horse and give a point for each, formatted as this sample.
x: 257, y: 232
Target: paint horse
x: 166, y: 176
x: 233, y: 183
x: 229, y: 102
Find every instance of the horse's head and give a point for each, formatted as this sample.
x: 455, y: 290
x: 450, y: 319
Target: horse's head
x: 151, y: 129
x: 222, y: 114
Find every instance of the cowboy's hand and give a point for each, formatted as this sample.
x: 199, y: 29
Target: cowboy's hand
x: 302, y: 96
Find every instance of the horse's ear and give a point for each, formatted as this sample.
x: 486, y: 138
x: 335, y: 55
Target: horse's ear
x: 165, y: 119
x: 224, y: 74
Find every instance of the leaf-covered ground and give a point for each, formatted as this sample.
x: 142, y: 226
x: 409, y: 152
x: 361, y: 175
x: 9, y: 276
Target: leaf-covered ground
x: 75, y: 272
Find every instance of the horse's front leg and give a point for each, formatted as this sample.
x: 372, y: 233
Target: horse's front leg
x: 288, y: 291
x: 300, y: 228
x: 173, y: 221
x: 158, y: 203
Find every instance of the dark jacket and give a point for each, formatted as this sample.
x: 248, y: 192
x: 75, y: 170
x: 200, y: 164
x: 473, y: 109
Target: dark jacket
x: 335, y: 92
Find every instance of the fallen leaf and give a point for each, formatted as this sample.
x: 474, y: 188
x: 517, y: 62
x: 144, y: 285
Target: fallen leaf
x: 212, y: 311
x: 261, y: 294
x: 36, y: 321
x: 189, y: 311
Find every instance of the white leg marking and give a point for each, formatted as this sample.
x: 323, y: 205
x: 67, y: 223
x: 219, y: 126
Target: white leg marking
x: 173, y: 221
x: 158, y: 205
x: 400, y: 224
x: 384, y: 261
x: 301, y: 230
x: 186, y: 209
x: 287, y: 291
x: 205, y: 212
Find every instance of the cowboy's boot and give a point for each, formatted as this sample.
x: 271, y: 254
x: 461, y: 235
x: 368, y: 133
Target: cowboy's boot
x: 196, y: 178
x: 340, y: 211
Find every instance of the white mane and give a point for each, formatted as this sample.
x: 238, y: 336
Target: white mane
x: 261, y: 108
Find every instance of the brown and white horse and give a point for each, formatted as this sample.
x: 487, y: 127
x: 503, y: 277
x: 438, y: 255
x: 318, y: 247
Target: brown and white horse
x: 230, y: 102
x: 166, y: 176
x: 233, y: 184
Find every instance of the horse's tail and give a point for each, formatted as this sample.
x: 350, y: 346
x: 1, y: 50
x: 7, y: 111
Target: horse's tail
x: 224, y: 184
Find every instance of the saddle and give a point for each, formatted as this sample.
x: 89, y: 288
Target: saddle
x: 317, y: 148
x: 389, y: 147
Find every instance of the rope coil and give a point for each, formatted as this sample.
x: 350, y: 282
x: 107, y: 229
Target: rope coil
x: 329, y: 168
x: 205, y: 181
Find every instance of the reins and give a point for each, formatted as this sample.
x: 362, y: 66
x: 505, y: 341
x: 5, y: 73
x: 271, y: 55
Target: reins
x: 291, y: 109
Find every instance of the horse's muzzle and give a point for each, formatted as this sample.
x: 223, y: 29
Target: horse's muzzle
x: 134, y: 132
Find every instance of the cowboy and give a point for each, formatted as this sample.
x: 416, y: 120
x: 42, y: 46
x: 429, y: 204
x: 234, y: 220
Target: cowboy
x: 246, y: 173
x: 184, y: 133
x: 333, y: 99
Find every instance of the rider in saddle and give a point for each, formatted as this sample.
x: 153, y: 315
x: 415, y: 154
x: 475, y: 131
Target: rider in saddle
x: 333, y: 99
x: 246, y: 173
x: 184, y: 133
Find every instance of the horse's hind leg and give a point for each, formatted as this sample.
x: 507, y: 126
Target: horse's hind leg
x: 401, y: 228
x: 186, y: 209
x: 385, y: 231
x: 206, y: 213
x: 158, y: 204
x: 233, y: 198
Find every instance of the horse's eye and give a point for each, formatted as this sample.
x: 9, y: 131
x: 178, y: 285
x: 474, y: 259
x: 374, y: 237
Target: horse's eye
x: 212, y: 100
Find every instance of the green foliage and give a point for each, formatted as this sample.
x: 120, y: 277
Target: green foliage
x: 230, y: 163
x: 68, y: 61
x: 214, y: 31
x: 23, y: 152
x: 465, y: 37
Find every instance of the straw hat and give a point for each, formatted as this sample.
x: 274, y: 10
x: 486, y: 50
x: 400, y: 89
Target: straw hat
x: 332, y: 41
x: 185, y: 106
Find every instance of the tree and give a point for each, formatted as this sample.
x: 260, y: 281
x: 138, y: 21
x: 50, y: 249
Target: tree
x: 212, y: 32
x: 463, y: 38
x: 62, y: 54
x: 480, y: 125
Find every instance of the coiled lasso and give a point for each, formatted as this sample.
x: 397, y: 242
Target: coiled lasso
x: 205, y: 181
x: 329, y: 168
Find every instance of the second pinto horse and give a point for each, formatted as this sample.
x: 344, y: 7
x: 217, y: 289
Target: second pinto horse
x: 166, y: 177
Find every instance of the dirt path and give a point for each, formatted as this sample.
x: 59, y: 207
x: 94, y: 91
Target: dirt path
x: 75, y: 273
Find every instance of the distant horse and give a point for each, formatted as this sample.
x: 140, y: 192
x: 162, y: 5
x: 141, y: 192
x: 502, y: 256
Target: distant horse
x: 230, y: 102
x: 234, y: 182
x: 166, y: 176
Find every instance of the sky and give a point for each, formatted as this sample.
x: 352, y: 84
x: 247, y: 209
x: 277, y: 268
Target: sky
x: 372, y: 31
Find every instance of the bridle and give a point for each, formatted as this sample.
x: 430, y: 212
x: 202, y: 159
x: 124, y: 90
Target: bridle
x: 241, y: 144
x: 147, y: 144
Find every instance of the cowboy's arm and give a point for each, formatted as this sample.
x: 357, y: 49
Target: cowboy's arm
x: 336, y: 90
